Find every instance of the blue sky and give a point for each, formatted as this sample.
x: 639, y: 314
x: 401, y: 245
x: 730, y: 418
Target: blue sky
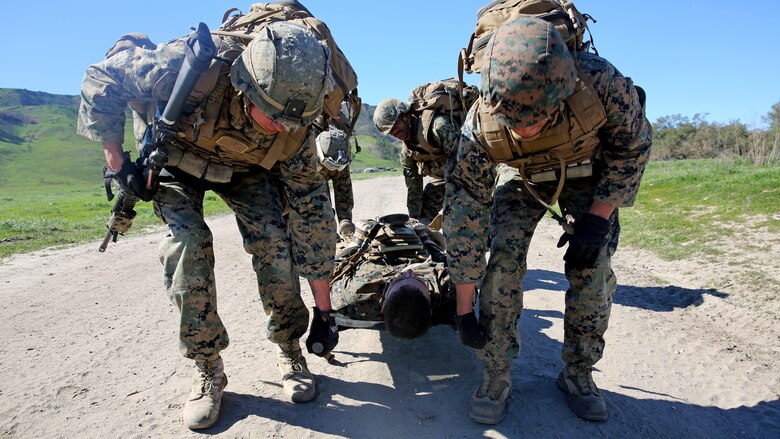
x: 714, y: 57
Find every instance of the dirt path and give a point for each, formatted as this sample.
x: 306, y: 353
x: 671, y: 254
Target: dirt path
x: 90, y: 351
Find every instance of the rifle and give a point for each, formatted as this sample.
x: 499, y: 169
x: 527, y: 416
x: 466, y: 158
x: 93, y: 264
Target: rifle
x: 351, y: 261
x: 199, y: 53
x: 122, y: 212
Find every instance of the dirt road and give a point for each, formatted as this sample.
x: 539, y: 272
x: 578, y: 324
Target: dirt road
x: 90, y: 350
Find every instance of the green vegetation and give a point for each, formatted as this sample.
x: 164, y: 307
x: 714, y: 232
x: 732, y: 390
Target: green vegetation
x: 375, y: 153
x: 679, y: 137
x: 685, y: 206
x: 62, y: 214
x: 51, y: 193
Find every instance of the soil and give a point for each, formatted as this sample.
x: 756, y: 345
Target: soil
x: 91, y: 351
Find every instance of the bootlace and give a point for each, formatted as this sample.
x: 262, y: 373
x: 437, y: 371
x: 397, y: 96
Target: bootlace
x: 496, y: 383
x: 294, y: 362
x: 204, y: 383
x: 585, y: 383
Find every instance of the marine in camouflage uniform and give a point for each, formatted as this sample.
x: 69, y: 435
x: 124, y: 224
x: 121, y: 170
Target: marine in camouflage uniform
x: 334, y: 157
x: 489, y: 208
x: 281, y: 249
x: 392, y: 117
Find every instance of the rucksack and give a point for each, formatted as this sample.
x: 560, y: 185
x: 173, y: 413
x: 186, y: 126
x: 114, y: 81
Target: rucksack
x: 446, y: 97
x: 237, y: 24
x: 567, y: 20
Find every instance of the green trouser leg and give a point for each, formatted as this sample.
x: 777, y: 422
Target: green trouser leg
x: 432, y: 200
x: 513, y: 221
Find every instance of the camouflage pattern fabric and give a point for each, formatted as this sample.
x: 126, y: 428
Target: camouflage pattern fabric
x: 387, y: 112
x: 425, y: 203
x: 534, y: 47
x: 359, y: 295
x: 281, y: 250
x: 343, y: 200
x: 481, y: 208
x: 288, y: 62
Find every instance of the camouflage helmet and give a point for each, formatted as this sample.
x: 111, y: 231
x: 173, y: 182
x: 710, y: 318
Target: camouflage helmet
x: 285, y: 72
x: 333, y: 149
x: 528, y: 73
x: 387, y: 112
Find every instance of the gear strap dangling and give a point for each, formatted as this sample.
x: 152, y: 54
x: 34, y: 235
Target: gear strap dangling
x: 568, y: 222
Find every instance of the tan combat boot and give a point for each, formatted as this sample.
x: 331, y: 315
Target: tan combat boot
x: 585, y: 400
x: 202, y: 407
x: 297, y: 381
x: 488, y: 403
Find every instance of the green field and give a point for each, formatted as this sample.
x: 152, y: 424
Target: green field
x: 681, y: 209
x: 685, y: 206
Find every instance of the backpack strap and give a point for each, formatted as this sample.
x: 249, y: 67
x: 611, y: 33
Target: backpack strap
x: 284, y: 145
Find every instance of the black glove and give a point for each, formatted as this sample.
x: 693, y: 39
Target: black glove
x: 132, y: 181
x: 471, y: 334
x: 323, y: 335
x: 590, y: 235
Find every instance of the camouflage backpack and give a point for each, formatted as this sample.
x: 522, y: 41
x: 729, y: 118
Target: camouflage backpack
x: 563, y: 14
x: 237, y: 24
x: 446, y: 97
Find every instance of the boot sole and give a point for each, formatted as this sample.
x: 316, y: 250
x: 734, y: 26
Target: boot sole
x: 585, y: 416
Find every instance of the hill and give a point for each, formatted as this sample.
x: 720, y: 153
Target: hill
x: 39, y: 146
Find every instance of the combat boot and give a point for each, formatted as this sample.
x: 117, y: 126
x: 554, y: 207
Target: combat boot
x: 297, y: 381
x: 202, y: 407
x: 585, y: 400
x: 488, y: 403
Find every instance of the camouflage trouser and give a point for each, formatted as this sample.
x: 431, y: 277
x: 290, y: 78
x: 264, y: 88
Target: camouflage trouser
x: 515, y: 216
x: 342, y: 191
x: 187, y: 255
x: 432, y: 200
x: 423, y: 203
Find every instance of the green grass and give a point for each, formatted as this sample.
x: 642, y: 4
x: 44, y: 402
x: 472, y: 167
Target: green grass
x: 685, y: 206
x: 381, y: 154
x: 33, y: 220
x: 682, y: 207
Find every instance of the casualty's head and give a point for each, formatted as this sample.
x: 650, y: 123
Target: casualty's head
x: 406, y: 306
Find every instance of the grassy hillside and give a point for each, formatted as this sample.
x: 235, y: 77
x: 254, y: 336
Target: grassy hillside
x: 38, y: 144
x: 40, y: 149
x: 51, y: 190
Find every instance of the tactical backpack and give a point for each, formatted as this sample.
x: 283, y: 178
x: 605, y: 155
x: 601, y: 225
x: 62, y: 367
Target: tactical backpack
x: 562, y: 14
x: 446, y: 97
x: 563, y: 151
x: 237, y: 24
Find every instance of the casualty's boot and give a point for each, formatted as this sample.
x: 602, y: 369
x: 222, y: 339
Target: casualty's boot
x: 202, y: 407
x: 585, y: 400
x: 488, y: 403
x: 297, y: 381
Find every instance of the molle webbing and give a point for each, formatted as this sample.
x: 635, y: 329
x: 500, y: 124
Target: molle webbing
x: 571, y: 140
x: 213, y: 128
